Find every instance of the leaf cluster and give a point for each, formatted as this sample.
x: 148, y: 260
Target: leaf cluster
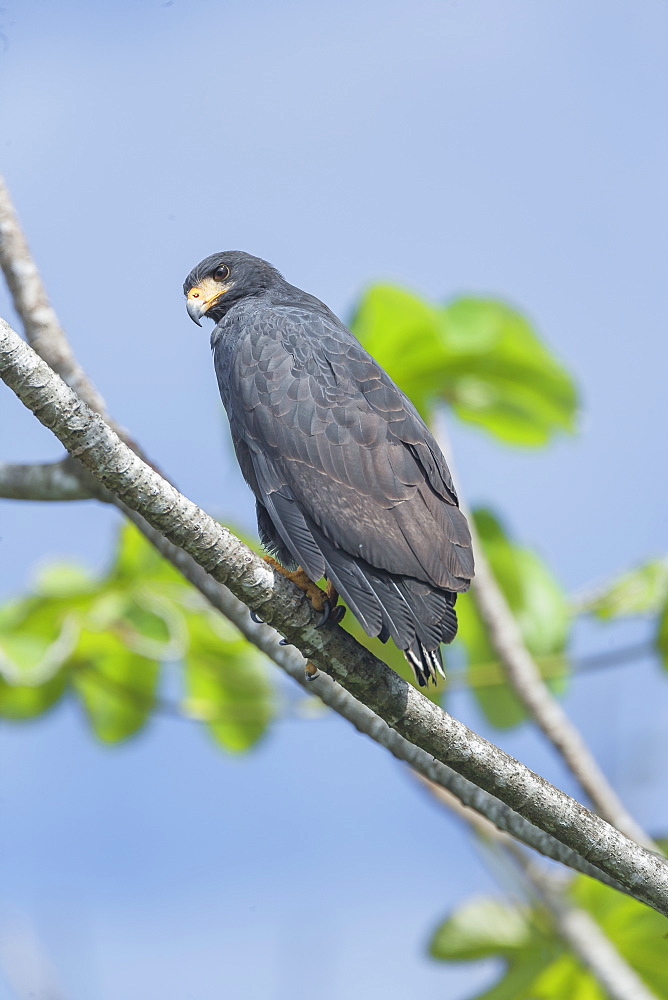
x: 478, y: 355
x: 536, y: 963
x: 104, y: 641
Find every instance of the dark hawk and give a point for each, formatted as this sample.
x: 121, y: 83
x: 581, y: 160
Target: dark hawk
x: 350, y: 484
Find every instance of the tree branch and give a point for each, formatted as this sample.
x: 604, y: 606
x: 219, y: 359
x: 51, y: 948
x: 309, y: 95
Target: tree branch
x: 534, y: 694
x: 89, y: 439
x: 29, y: 294
x: 525, y: 679
x: 50, y: 481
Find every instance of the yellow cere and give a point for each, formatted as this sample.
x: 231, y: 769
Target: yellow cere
x: 206, y: 293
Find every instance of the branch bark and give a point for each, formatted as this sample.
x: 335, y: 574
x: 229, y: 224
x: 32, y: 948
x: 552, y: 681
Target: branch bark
x: 89, y: 439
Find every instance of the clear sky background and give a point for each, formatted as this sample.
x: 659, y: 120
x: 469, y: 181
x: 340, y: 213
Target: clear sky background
x: 512, y: 148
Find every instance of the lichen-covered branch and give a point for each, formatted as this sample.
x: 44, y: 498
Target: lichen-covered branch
x: 88, y: 438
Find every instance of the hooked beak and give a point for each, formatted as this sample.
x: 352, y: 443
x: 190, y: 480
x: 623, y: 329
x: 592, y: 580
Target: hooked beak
x: 194, y: 309
x: 202, y: 297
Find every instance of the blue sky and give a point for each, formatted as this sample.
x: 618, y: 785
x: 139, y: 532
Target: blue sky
x: 515, y: 149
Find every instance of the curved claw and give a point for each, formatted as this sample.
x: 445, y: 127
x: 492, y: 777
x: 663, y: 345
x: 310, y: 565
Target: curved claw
x: 330, y: 615
x: 256, y: 618
x: 325, y: 614
x: 284, y: 642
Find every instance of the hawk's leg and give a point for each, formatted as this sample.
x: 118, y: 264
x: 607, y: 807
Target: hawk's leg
x: 318, y: 598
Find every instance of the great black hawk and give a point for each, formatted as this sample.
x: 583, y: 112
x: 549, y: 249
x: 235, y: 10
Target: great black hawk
x: 349, y: 482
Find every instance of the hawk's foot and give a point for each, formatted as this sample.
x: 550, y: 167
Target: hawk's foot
x: 318, y: 598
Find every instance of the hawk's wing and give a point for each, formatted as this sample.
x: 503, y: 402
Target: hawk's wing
x: 338, y: 455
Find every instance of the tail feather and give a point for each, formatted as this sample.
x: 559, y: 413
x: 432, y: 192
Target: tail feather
x: 426, y: 663
x: 416, y: 615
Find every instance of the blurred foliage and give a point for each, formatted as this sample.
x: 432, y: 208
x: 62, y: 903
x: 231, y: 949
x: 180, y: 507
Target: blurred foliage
x: 662, y: 636
x: 478, y: 355
x: 537, y: 963
x: 104, y: 640
x: 541, y: 609
x: 641, y: 591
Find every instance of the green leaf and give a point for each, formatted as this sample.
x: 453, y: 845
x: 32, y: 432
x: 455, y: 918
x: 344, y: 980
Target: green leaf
x: 540, y: 607
x: 21, y: 701
x: 480, y: 928
x: 537, y: 964
x: 479, y: 355
x: 27, y: 657
x: 485, y: 928
x: 565, y: 979
x: 641, y: 591
x: 63, y: 580
x: 116, y: 686
x: 662, y: 637
x: 402, y: 332
x: 503, y: 378
x: 227, y: 684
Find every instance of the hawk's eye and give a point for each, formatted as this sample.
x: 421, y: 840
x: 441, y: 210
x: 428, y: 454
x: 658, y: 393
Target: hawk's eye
x: 221, y: 273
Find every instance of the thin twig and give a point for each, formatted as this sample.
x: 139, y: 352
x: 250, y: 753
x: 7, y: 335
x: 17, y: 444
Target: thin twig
x: 43, y: 331
x: 525, y: 679
x: 40, y: 322
x: 535, y: 695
